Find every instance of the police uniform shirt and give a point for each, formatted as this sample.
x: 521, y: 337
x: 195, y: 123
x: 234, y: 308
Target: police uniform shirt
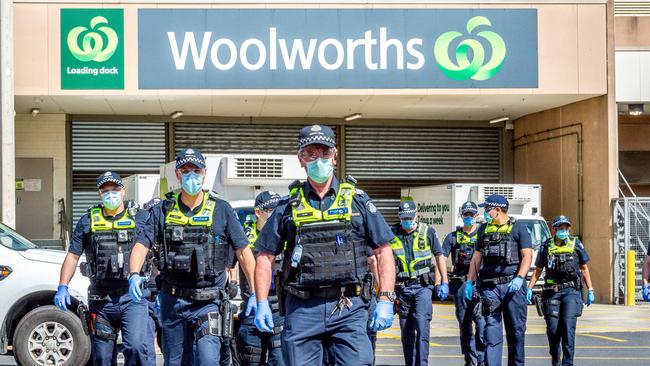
x: 367, y: 221
x: 451, y: 244
x: 543, y: 257
x: 82, y: 241
x: 225, y: 226
x: 408, y: 239
x: 520, y: 234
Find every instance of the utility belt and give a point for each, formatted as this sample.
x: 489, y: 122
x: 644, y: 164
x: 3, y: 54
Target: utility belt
x: 95, y: 294
x: 494, y: 281
x: 457, y: 279
x: 196, y: 294
x: 424, y: 279
x: 90, y: 320
x: 325, y: 292
x: 218, y: 323
x: 560, y: 286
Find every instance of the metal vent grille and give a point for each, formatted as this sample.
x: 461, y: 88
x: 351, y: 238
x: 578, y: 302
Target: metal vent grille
x: 632, y: 8
x: 504, y: 191
x: 258, y: 168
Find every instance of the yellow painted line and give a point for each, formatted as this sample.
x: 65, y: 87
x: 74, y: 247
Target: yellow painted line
x: 603, y: 337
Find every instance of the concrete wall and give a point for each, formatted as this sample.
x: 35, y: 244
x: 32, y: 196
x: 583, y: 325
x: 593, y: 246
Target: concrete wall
x: 551, y: 158
x: 44, y: 136
x: 632, y: 33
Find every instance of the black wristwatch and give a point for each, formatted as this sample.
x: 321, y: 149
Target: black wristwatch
x: 389, y: 294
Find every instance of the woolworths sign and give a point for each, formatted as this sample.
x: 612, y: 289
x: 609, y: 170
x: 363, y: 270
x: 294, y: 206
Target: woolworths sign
x: 337, y: 48
x: 92, y: 49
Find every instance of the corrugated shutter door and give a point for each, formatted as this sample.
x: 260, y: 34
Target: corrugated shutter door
x: 422, y: 153
x: 384, y: 159
x: 125, y: 147
x: 220, y: 138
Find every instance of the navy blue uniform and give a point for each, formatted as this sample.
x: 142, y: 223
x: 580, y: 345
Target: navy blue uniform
x: 180, y: 316
x: 415, y: 302
x: 117, y: 312
x: 566, y: 307
x: 509, y: 308
x: 471, y: 340
x: 309, y: 324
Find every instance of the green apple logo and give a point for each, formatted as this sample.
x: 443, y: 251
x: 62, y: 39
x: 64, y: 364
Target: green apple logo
x: 464, y: 68
x: 94, y: 46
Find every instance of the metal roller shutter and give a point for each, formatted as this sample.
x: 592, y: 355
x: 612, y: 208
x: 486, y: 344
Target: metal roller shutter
x: 384, y: 159
x: 220, y: 138
x: 125, y: 147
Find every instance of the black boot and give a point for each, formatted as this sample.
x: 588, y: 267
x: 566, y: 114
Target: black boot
x: 469, y: 361
x: 556, y: 361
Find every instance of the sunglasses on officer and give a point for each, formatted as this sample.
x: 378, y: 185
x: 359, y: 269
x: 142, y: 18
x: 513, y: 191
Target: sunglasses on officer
x: 311, y: 152
x: 109, y: 188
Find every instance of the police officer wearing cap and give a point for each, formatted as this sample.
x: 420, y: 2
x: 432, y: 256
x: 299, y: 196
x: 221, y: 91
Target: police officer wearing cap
x: 255, y: 347
x: 417, y: 250
x: 194, y: 232
x: 564, y: 259
x: 106, y: 234
x: 327, y: 226
x: 460, y: 244
x: 500, y: 263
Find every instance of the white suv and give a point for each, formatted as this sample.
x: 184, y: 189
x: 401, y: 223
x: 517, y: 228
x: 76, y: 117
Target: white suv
x: 38, y: 332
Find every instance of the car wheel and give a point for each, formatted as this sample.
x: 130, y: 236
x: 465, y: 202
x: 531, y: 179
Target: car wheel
x: 49, y: 336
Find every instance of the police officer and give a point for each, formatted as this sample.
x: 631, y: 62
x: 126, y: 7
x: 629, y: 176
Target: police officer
x: 502, y: 260
x: 460, y: 244
x: 194, y: 230
x: 255, y: 347
x: 326, y: 225
x: 646, y: 276
x: 106, y: 234
x: 414, y: 248
x: 565, y: 260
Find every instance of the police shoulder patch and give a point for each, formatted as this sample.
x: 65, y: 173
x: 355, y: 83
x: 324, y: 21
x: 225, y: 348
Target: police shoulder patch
x: 371, y: 207
x: 580, y: 245
x: 359, y: 192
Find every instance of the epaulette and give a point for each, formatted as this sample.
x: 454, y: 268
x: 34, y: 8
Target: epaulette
x: 512, y: 220
x: 294, y: 193
x: 132, y: 207
x: 350, y: 179
x: 152, y: 202
x: 359, y: 191
x: 214, y: 195
x: 295, y: 184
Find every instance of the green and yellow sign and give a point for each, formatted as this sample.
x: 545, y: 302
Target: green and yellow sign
x: 92, y: 49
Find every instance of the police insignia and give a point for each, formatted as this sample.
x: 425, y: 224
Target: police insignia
x: 371, y: 207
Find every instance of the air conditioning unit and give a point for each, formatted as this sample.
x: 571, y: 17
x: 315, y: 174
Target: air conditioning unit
x: 261, y: 170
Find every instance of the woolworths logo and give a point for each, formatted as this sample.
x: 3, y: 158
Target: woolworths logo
x: 470, y: 64
x: 97, y: 44
x: 92, y: 49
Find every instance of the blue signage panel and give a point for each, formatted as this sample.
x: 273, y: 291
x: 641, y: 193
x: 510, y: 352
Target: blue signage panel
x: 337, y: 48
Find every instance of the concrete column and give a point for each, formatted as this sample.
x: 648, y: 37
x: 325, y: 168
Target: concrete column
x: 7, y: 114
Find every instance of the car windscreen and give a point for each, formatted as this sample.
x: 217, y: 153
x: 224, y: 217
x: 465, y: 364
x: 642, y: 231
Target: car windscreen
x: 538, y: 230
x: 245, y: 214
x: 13, y: 240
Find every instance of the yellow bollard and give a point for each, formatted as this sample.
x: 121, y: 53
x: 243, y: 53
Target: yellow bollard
x: 630, y: 277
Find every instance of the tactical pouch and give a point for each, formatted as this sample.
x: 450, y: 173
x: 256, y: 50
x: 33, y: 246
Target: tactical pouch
x: 84, y: 316
x: 429, y: 278
x: 490, y: 306
x: 122, y: 236
x: 199, y: 259
x: 177, y: 234
x: 182, y: 263
x: 477, y: 306
x: 552, y: 308
x: 366, y: 286
x: 113, y: 264
x: 86, y: 269
x: 404, y: 309
x: 215, y: 324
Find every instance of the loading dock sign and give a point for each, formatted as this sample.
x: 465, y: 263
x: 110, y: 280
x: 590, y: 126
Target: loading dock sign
x: 337, y: 48
x: 92, y: 49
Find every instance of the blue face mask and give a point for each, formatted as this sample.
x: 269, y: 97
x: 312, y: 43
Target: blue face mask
x: 562, y: 234
x: 486, y: 216
x: 192, y: 183
x: 112, y: 200
x: 469, y: 221
x: 407, y: 224
x: 320, y: 170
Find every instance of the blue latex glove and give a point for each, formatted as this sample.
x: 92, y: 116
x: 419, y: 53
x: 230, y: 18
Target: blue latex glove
x: 382, y: 318
x: 529, y: 295
x: 591, y: 297
x: 443, y: 291
x: 135, y: 287
x: 62, y: 297
x: 646, y: 293
x: 264, y: 317
x: 469, y: 290
x: 251, y: 305
x: 515, y: 284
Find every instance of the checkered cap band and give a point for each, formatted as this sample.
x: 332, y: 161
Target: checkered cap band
x: 316, y: 138
x: 190, y: 159
x: 407, y: 212
x: 109, y: 179
x: 268, y: 203
x: 494, y: 204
